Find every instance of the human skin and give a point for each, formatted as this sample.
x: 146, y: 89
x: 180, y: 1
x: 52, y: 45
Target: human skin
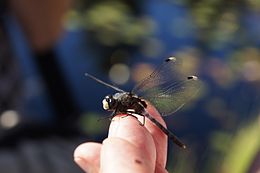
x: 128, y: 148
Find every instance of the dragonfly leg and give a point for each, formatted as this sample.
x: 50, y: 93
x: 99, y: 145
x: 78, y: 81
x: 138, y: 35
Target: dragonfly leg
x: 125, y: 115
x: 143, y: 119
x: 131, y: 113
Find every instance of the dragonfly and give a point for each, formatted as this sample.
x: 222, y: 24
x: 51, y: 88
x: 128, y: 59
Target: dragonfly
x: 167, y: 88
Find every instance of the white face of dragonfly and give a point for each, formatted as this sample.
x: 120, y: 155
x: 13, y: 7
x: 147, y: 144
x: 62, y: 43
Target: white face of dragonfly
x: 105, y: 104
x: 109, y: 103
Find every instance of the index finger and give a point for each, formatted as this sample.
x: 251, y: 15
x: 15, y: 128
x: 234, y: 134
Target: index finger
x: 132, y: 132
x: 129, y: 147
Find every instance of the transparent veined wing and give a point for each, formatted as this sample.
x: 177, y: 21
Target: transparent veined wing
x: 168, y: 88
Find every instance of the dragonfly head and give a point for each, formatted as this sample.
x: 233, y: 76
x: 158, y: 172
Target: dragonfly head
x: 109, y: 103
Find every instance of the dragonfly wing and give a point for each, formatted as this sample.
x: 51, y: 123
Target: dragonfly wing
x: 168, y: 88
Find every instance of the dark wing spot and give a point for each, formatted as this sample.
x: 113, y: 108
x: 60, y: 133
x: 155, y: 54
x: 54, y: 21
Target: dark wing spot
x: 192, y: 77
x: 170, y: 59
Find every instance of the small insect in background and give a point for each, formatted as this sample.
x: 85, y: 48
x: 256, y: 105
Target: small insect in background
x: 166, y: 88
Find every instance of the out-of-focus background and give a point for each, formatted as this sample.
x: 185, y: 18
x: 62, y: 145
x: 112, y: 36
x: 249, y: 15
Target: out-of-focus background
x: 48, y: 106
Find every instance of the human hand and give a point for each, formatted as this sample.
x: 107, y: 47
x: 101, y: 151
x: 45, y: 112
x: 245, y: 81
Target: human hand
x: 129, y: 148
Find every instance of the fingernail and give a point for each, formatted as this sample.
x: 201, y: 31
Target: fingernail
x: 82, y: 164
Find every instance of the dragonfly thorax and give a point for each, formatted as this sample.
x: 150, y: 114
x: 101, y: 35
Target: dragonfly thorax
x: 110, y: 102
x: 121, y: 102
